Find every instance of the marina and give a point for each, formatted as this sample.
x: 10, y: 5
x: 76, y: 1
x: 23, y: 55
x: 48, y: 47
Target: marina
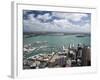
x: 72, y: 56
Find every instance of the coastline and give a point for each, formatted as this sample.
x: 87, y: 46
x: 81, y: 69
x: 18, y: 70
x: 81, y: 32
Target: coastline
x: 69, y: 57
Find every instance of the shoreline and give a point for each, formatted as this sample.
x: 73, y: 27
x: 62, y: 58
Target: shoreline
x: 69, y: 57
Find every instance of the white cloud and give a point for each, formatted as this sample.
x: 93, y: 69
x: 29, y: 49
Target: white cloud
x: 31, y: 17
x: 71, y: 16
x: 44, y: 17
x: 77, y: 17
x: 34, y: 24
x: 63, y: 23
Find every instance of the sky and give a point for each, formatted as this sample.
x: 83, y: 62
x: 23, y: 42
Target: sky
x: 51, y: 21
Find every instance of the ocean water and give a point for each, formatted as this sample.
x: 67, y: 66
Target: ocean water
x: 55, y: 42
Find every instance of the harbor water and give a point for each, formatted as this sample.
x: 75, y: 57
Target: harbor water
x: 54, y: 42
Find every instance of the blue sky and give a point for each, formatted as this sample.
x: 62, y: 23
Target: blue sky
x: 56, y: 21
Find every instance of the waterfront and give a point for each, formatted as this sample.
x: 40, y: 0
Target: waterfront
x: 39, y: 50
x: 55, y: 42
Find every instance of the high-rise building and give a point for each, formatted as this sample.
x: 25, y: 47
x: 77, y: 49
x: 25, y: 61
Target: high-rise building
x: 86, y: 56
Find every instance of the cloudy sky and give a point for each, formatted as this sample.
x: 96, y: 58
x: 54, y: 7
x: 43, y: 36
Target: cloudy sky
x: 56, y: 21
